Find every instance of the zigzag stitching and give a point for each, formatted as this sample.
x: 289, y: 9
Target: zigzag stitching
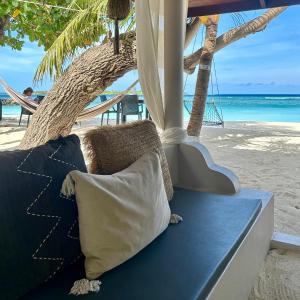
x: 70, y: 199
x: 61, y: 195
x: 34, y: 255
x: 67, y: 198
x: 61, y: 161
x: 70, y: 230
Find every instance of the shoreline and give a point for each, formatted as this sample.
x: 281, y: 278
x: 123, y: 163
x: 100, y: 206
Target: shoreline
x: 231, y: 108
x: 13, y: 117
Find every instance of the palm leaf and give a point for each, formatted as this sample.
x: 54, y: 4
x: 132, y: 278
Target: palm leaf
x: 80, y: 4
x: 87, y: 24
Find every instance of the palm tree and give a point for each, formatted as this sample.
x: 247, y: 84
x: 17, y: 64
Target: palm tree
x: 88, y: 27
x: 87, y: 75
x: 197, y: 113
x: 203, y: 57
x: 3, y: 23
x: 96, y: 67
x: 79, y: 79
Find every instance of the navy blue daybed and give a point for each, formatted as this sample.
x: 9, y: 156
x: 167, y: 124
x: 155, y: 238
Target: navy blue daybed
x: 183, y: 263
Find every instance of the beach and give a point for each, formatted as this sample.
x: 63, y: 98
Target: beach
x: 230, y: 66
x: 264, y: 155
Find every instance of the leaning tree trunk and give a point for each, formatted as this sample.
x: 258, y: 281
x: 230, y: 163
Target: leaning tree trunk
x: 235, y: 34
x: 88, y: 76
x: 96, y: 69
x: 191, y: 30
x: 196, y: 118
x: 202, y: 57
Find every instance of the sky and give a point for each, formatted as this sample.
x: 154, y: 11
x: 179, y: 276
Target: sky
x: 267, y: 62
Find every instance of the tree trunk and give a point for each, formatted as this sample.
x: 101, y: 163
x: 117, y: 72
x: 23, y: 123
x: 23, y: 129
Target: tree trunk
x: 235, y: 34
x: 88, y: 76
x: 191, y: 30
x: 93, y: 72
x: 3, y: 22
x: 196, y: 118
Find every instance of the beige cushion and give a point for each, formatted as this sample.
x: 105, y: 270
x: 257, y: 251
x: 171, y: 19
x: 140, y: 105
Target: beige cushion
x: 113, y: 148
x: 119, y: 214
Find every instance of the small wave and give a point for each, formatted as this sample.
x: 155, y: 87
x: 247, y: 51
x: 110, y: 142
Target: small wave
x: 282, y: 98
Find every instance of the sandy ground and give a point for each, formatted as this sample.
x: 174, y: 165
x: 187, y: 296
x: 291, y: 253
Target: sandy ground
x: 264, y: 156
x: 267, y: 156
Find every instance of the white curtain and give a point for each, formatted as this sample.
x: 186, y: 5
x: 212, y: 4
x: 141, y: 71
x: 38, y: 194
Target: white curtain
x: 150, y: 54
x: 150, y: 60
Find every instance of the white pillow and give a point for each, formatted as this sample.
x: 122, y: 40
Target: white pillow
x: 119, y: 214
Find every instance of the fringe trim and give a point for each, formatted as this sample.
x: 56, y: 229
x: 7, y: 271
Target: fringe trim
x: 175, y: 219
x: 84, y: 286
x: 68, y: 186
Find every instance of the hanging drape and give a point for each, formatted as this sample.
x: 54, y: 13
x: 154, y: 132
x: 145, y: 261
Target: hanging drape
x: 150, y: 61
x: 150, y: 54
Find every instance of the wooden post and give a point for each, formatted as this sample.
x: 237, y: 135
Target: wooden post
x: 117, y: 38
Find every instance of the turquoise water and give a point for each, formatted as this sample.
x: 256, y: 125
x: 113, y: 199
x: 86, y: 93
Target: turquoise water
x: 268, y: 108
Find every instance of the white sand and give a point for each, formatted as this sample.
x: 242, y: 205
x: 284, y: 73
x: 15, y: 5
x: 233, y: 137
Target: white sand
x: 264, y: 156
x: 267, y: 156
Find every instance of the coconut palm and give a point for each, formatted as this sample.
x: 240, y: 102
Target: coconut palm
x: 88, y: 75
x: 203, y: 57
x: 197, y: 113
x: 97, y: 67
x: 89, y: 26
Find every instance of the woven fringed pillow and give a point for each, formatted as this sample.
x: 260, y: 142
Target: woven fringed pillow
x: 114, y: 148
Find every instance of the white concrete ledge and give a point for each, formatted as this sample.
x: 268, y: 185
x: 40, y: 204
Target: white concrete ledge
x: 238, y: 278
x: 285, y: 241
x: 192, y: 167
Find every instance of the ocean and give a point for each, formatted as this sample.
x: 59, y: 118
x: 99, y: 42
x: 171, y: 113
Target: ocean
x: 265, y: 108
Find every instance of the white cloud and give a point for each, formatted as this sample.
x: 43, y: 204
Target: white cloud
x: 21, y: 61
x: 16, y: 63
x: 32, y: 51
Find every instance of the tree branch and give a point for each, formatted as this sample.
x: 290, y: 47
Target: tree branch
x: 191, y: 30
x: 3, y: 22
x: 251, y: 27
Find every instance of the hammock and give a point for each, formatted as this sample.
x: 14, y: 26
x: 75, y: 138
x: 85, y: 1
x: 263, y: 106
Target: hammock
x: 86, y: 114
x: 212, y: 116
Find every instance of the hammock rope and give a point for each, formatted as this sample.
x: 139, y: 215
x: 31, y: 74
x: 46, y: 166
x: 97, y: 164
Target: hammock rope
x: 86, y: 114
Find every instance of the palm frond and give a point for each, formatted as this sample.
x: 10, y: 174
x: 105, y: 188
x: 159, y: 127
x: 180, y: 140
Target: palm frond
x: 80, y: 4
x: 128, y: 23
x: 86, y: 25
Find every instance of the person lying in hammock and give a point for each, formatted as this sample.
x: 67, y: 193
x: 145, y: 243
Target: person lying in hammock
x: 28, y: 93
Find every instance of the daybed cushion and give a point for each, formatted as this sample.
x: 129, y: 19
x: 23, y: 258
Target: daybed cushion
x: 38, y: 227
x: 184, y: 262
x: 114, y: 148
x: 119, y: 214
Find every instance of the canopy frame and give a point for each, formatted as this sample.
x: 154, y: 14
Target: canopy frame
x: 210, y: 7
